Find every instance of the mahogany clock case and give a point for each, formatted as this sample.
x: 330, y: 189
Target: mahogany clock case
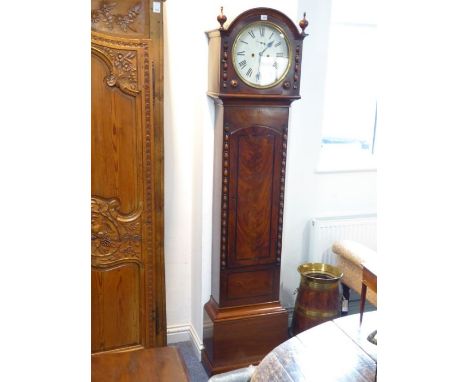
x: 244, y: 319
x: 249, y: 168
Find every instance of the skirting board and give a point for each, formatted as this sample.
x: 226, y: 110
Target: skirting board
x: 184, y: 333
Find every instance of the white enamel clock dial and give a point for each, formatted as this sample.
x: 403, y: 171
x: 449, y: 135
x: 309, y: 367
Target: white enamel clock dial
x: 261, y: 54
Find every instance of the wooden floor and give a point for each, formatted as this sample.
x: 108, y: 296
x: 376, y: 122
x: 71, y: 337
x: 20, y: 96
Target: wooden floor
x: 147, y: 365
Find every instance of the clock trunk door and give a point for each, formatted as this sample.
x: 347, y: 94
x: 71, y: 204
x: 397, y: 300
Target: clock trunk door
x: 254, y: 188
x: 254, y: 165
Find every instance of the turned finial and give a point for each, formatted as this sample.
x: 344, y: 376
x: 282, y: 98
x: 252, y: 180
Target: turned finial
x: 303, y: 24
x: 221, y: 18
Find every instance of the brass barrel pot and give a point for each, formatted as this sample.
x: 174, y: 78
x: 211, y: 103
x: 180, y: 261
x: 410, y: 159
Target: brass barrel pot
x: 319, y: 296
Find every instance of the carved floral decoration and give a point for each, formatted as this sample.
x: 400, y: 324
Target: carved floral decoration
x: 114, y: 237
x: 124, y: 74
x: 104, y: 15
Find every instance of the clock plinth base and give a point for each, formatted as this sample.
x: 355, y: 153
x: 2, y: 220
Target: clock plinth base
x: 236, y: 337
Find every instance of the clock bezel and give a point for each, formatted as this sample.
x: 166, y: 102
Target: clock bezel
x: 288, y: 44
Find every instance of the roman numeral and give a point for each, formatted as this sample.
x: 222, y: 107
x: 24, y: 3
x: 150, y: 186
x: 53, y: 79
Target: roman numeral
x: 257, y: 76
x: 275, y: 65
x: 241, y: 53
x: 262, y: 31
x: 280, y: 54
x: 243, y: 64
x: 245, y: 42
x: 278, y: 43
x: 251, y: 33
x: 249, y: 72
x: 272, y: 33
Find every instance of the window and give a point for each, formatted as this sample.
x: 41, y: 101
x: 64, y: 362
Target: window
x: 350, y: 109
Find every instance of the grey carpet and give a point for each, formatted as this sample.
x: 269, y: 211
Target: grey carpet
x: 354, y: 301
x: 196, y: 371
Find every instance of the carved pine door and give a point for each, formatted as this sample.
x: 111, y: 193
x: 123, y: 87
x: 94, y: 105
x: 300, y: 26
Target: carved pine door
x: 127, y: 264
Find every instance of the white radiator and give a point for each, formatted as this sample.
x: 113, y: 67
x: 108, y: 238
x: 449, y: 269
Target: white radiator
x: 327, y: 230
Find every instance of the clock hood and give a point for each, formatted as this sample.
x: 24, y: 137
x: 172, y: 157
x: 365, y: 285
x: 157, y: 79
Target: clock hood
x: 224, y: 80
x: 273, y: 16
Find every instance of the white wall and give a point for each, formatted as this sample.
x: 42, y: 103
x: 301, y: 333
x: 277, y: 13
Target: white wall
x: 189, y: 116
x: 309, y: 194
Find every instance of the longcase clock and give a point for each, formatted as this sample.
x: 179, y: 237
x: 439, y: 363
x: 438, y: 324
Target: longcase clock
x: 254, y: 75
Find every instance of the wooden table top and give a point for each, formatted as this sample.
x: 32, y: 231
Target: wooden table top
x: 336, y: 350
x: 162, y: 364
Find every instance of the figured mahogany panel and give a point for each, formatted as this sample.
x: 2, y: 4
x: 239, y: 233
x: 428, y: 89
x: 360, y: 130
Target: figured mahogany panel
x: 255, y: 178
x: 116, y: 307
x: 250, y: 284
x: 255, y: 156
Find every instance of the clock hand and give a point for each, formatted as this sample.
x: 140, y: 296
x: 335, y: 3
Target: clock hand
x: 260, y: 54
x: 257, y: 76
x: 267, y: 46
x: 258, y: 70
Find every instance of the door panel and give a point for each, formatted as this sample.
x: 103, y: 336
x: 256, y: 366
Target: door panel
x: 254, y: 194
x: 255, y: 186
x: 115, y: 145
x: 127, y: 263
x: 115, y: 300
